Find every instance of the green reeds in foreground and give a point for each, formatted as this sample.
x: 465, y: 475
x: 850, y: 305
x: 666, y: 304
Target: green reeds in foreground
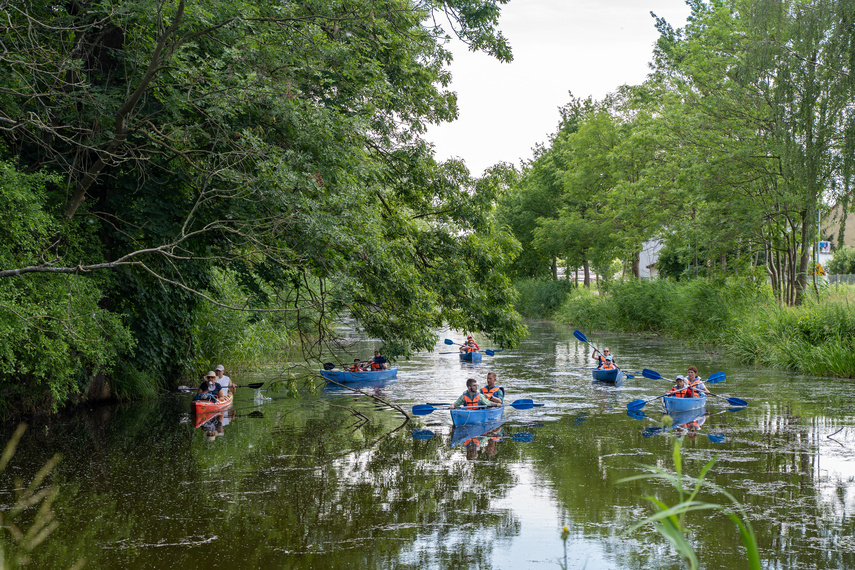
x: 669, y: 520
x: 35, y: 497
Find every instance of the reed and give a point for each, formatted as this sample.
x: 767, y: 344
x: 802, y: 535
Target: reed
x: 670, y: 520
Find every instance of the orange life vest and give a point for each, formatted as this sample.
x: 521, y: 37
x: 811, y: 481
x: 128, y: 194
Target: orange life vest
x: 684, y: 393
x: 375, y: 366
x: 472, y: 402
x: 489, y: 392
x: 608, y: 365
x: 355, y: 368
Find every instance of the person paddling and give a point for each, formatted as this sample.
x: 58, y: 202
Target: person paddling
x: 472, y: 397
x: 681, y: 389
x: 602, y: 357
x: 225, y: 381
x: 470, y: 345
x: 695, y: 382
x: 378, y: 362
x: 209, y: 389
x: 494, y: 393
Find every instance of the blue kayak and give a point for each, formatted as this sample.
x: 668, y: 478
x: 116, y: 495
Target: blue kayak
x: 471, y: 356
x: 613, y: 376
x: 677, y: 405
x: 466, y: 416
x: 344, y: 376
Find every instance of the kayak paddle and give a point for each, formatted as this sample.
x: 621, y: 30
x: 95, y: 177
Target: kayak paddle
x: 521, y: 404
x: 732, y: 401
x: 583, y: 338
x: 714, y: 378
x: 638, y: 404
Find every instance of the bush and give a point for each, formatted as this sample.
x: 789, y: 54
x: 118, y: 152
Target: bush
x: 843, y: 262
x: 539, y: 298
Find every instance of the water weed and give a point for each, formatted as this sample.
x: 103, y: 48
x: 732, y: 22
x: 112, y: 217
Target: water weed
x: 669, y: 520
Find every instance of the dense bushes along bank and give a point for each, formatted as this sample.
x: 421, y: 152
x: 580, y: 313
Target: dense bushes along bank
x: 737, y: 315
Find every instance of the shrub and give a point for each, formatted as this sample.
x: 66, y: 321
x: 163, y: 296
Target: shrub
x: 539, y: 298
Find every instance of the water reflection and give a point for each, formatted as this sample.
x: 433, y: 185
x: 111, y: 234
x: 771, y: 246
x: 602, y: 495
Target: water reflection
x: 342, y: 480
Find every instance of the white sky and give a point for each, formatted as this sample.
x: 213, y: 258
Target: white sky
x: 587, y: 47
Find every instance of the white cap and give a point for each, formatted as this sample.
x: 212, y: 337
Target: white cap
x: 220, y: 367
x: 680, y: 377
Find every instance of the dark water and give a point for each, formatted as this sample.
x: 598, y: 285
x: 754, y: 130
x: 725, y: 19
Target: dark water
x: 339, y: 481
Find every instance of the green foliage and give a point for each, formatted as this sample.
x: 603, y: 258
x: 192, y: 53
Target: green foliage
x: 669, y: 521
x: 699, y: 310
x: 54, y: 333
x: 539, y: 298
x: 843, y: 261
x: 816, y: 337
x: 239, y: 339
x: 279, y: 144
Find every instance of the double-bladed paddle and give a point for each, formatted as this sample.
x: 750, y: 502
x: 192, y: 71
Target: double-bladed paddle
x: 521, y: 404
x: 581, y: 337
x: 714, y: 378
x: 738, y: 402
x: 638, y: 404
x: 488, y: 352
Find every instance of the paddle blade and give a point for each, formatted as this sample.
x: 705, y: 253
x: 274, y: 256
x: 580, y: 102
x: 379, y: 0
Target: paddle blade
x: 489, y: 352
x: 651, y: 374
x: 636, y: 404
x: 422, y: 434
x: 523, y: 406
x: 716, y: 378
x: 329, y: 365
x: 580, y: 336
x: 737, y: 402
x: 628, y: 375
x: 449, y: 341
x: 255, y: 385
x: 523, y: 437
x: 423, y: 409
x: 716, y: 437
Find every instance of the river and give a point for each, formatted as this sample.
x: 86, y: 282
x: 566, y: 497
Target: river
x: 341, y: 481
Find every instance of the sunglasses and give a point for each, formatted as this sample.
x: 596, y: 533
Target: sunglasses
x: 211, y: 376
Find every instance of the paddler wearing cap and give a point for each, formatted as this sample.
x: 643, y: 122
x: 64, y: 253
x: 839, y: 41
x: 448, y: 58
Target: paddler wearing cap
x: 601, y: 358
x: 209, y: 389
x: 225, y: 381
x: 470, y: 345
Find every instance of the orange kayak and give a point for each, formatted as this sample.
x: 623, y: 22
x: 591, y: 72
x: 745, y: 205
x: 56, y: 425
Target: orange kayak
x: 220, y: 404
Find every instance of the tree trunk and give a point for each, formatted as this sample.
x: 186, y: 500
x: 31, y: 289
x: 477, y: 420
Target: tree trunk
x: 587, y: 268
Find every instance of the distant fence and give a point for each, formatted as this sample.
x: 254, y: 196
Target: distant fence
x: 846, y: 279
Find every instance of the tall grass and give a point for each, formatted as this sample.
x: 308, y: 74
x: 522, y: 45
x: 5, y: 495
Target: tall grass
x: 539, y: 298
x: 700, y: 309
x: 736, y: 314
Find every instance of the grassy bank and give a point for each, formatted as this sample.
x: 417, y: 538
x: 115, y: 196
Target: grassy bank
x: 739, y: 316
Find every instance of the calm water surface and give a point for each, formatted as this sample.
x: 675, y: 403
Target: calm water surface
x: 343, y: 481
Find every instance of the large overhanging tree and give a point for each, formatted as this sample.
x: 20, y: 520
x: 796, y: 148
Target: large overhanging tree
x: 279, y: 141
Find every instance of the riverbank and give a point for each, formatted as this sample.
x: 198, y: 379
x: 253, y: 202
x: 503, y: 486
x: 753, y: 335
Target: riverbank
x: 735, y: 315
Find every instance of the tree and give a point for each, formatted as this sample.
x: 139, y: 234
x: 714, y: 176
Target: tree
x: 278, y: 141
x: 762, y: 110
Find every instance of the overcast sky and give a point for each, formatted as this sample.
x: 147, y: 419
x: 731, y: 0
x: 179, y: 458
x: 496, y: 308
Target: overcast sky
x: 587, y: 47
